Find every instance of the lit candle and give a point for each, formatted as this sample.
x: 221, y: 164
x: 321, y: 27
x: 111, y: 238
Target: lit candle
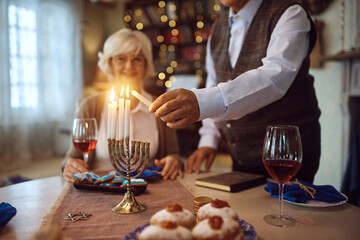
x: 127, y: 113
x: 109, y: 120
x: 121, y: 114
x: 141, y: 98
x: 113, y: 122
x: 112, y: 114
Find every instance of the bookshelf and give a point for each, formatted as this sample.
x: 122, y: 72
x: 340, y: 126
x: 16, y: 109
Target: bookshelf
x: 178, y: 30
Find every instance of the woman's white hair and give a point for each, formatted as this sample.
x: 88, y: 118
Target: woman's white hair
x: 122, y: 42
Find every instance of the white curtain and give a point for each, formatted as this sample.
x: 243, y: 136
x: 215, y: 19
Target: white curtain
x: 40, y: 75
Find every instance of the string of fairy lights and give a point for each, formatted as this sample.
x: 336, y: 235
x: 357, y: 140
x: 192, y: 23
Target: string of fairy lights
x: 167, y: 13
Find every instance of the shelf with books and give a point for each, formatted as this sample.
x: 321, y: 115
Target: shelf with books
x: 178, y: 30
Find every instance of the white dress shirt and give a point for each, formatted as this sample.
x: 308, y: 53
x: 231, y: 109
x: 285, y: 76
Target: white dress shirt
x: 259, y: 87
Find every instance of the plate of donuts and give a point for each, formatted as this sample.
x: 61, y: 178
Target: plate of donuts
x: 215, y: 220
x: 247, y: 228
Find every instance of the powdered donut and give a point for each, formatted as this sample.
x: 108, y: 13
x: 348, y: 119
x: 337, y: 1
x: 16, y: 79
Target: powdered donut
x: 174, y: 213
x: 217, y: 208
x: 216, y: 228
x: 166, y: 230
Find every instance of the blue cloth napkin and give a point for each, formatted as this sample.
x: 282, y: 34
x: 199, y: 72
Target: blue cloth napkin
x: 294, y: 193
x: 6, y: 213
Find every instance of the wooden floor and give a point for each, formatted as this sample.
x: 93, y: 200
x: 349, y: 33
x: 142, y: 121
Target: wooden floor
x: 50, y: 167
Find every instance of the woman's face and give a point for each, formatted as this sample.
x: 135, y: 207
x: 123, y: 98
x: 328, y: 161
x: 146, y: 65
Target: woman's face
x: 129, y: 67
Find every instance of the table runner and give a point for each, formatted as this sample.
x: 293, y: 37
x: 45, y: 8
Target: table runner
x: 105, y: 224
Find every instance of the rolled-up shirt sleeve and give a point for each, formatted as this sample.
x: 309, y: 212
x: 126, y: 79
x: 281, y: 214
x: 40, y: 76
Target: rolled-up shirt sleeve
x: 259, y: 87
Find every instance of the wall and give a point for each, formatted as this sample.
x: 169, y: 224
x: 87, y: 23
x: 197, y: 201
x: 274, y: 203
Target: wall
x: 114, y: 18
x: 93, y: 32
x: 99, y: 22
x: 328, y: 82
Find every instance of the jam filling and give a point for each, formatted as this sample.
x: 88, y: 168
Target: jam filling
x: 174, y: 208
x: 168, y: 225
x: 219, y: 203
x: 215, y: 222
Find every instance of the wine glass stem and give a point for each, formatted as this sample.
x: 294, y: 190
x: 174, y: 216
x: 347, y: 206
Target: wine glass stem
x: 86, y: 158
x: 281, y: 207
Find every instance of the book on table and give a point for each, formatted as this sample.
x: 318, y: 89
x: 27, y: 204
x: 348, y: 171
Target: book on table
x: 232, y: 181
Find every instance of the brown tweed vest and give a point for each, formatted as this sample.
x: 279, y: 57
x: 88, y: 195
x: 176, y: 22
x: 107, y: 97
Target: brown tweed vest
x: 299, y: 105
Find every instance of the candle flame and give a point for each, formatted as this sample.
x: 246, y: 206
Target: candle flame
x: 127, y: 91
x: 86, y: 125
x: 112, y: 95
x: 122, y: 92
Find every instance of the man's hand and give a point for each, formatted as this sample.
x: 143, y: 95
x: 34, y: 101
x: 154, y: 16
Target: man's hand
x: 171, y: 167
x: 178, y: 108
x: 74, y: 165
x: 201, y: 154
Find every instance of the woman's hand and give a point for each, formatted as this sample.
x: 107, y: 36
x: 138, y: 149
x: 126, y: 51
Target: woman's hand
x: 171, y: 165
x: 74, y: 165
x: 201, y: 154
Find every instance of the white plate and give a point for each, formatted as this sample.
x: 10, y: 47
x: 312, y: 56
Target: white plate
x: 318, y: 204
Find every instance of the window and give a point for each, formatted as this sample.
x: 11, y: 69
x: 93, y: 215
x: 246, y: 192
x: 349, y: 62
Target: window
x: 23, y: 57
x: 40, y: 67
x: 40, y: 75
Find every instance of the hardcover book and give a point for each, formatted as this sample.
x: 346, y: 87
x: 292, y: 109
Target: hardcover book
x: 232, y: 181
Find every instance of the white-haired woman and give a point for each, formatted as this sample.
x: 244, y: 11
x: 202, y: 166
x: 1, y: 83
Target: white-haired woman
x: 126, y: 59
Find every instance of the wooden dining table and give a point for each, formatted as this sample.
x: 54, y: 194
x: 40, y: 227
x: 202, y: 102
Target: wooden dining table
x: 34, y: 199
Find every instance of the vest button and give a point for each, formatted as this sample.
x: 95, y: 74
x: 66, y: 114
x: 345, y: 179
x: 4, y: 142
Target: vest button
x: 228, y: 125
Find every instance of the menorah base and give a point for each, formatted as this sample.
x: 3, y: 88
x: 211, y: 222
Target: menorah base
x: 128, y: 205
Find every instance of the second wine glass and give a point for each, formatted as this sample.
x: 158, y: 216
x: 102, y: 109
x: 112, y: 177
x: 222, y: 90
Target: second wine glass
x: 84, y: 136
x: 282, y: 156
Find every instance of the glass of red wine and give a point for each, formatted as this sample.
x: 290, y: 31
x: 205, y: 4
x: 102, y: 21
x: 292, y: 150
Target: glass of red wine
x: 282, y: 156
x: 84, y: 136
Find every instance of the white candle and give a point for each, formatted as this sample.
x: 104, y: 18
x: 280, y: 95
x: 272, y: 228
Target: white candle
x: 112, y: 114
x: 121, y: 114
x: 109, y: 120
x: 113, y: 121
x: 127, y: 114
x: 141, y: 98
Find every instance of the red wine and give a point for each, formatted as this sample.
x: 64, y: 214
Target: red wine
x: 282, y: 170
x: 85, y: 146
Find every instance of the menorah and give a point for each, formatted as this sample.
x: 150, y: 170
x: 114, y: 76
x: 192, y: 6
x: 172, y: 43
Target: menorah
x: 129, y: 162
